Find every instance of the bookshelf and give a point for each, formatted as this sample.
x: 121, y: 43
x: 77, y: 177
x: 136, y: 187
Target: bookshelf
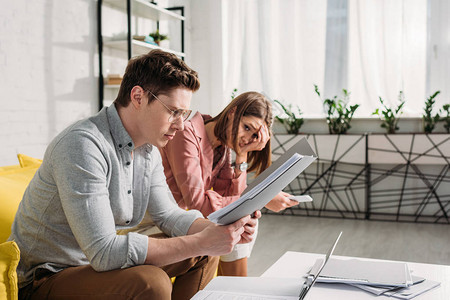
x: 133, y: 9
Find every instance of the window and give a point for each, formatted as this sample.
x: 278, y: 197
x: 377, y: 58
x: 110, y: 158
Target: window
x: 372, y: 48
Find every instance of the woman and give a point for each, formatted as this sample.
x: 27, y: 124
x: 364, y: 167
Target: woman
x: 199, y: 169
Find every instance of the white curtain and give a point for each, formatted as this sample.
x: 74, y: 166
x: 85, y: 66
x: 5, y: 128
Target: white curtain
x: 370, y: 47
x: 277, y: 47
x: 438, y: 50
x: 336, y: 58
x: 387, y: 53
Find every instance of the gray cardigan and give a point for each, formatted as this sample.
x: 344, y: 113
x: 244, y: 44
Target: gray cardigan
x: 84, y: 192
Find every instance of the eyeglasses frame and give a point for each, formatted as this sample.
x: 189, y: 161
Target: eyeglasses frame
x: 173, y: 111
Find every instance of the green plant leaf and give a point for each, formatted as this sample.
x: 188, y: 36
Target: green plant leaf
x: 389, y: 116
x: 157, y: 37
x: 293, y: 122
x: 339, y: 114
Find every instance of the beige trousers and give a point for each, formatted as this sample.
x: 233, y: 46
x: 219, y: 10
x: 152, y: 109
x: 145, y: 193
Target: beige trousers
x: 140, y: 282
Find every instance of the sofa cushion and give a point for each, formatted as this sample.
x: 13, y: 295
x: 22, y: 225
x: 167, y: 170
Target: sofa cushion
x: 28, y: 161
x: 8, y: 168
x: 9, y: 259
x: 12, y: 186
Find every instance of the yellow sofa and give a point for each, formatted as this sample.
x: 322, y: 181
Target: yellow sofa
x: 13, y: 182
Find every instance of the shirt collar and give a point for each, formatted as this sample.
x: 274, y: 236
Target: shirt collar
x: 120, y: 135
x: 198, y: 125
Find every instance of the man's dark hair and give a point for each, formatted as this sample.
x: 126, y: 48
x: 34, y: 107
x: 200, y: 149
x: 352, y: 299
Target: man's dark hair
x: 157, y: 71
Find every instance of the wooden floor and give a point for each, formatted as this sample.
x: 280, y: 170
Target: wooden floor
x: 426, y: 243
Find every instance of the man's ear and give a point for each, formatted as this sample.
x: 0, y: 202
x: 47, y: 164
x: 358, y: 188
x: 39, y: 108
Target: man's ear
x: 137, y: 96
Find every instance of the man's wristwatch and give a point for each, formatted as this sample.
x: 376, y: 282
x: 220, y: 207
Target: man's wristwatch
x: 242, y: 166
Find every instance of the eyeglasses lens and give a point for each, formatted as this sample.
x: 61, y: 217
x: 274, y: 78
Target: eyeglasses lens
x: 179, y: 114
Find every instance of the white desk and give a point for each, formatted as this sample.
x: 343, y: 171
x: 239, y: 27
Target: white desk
x: 297, y: 264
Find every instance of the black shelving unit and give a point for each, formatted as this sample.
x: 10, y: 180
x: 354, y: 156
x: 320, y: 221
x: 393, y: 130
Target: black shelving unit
x: 140, y: 8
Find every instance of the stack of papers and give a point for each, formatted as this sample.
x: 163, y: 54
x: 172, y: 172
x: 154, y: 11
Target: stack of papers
x: 414, y: 290
x: 395, y: 274
x: 392, y: 279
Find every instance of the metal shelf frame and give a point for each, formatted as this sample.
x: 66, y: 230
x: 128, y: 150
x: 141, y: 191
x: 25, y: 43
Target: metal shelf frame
x: 140, y: 8
x: 347, y: 182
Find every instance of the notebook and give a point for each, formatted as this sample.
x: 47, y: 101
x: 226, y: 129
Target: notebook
x: 262, y: 288
x: 268, y: 184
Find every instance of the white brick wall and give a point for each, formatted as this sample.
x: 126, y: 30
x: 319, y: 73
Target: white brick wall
x: 48, y: 70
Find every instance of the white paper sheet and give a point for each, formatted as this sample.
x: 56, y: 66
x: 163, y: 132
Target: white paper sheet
x: 231, y: 287
x: 302, y: 198
x: 366, y: 272
x: 414, y: 290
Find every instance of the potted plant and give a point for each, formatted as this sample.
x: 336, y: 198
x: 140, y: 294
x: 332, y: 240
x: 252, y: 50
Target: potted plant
x: 446, y: 119
x: 157, y: 37
x: 429, y: 121
x: 293, y: 122
x: 388, y: 116
x: 339, y: 115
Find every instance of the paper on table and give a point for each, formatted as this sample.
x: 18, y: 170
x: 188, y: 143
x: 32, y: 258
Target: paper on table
x: 379, y: 290
x: 216, y: 295
x: 414, y: 290
x: 366, y: 272
x: 224, y: 287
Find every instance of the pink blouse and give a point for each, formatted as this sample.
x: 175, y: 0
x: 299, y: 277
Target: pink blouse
x: 188, y: 166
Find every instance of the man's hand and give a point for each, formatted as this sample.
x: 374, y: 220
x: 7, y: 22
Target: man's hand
x: 203, y: 238
x: 250, y: 228
x: 217, y: 240
x: 281, y: 202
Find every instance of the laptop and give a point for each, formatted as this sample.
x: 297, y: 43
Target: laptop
x: 262, y: 288
x: 310, y: 280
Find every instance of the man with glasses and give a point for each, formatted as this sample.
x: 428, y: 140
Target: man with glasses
x: 104, y: 174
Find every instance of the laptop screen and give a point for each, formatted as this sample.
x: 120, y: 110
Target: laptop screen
x: 310, y: 280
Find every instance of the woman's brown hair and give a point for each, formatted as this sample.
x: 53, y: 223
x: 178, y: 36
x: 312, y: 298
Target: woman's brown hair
x: 246, y: 104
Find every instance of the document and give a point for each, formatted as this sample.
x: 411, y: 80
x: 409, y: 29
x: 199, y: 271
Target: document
x: 379, y: 290
x: 375, y: 273
x: 414, y: 290
x: 252, y: 288
x: 391, y: 279
x: 268, y: 184
x: 215, y: 295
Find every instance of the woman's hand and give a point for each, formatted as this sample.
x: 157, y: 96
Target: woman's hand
x: 281, y: 202
x: 259, y: 142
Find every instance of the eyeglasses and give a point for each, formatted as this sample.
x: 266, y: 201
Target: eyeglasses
x: 175, y: 114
